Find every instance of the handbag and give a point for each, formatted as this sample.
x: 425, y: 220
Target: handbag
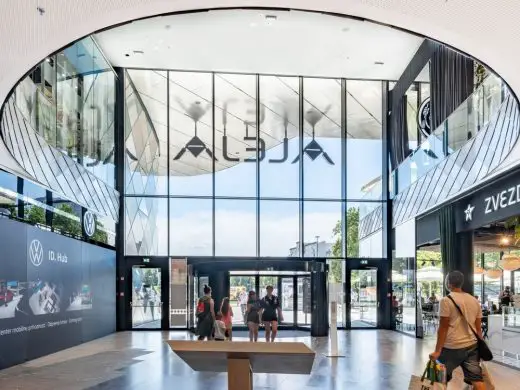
x: 483, y: 349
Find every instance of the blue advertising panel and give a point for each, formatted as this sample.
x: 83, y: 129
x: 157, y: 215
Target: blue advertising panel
x: 58, y: 292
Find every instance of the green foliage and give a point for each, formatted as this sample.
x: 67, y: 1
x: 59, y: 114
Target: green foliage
x: 35, y: 214
x: 65, y: 223
x: 352, y: 230
x: 151, y: 276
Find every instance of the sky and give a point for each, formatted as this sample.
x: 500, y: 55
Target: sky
x: 235, y: 220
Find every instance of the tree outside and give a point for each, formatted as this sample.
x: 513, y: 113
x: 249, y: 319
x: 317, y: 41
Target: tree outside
x: 335, y: 265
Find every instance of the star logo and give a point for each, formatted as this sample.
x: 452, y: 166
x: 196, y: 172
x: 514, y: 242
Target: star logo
x: 469, y: 212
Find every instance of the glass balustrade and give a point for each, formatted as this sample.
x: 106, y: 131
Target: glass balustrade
x: 462, y: 125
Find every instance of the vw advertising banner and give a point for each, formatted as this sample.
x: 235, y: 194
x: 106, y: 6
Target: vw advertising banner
x: 55, y: 292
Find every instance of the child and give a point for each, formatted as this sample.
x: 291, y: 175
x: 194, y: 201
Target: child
x: 220, y: 328
x: 227, y: 317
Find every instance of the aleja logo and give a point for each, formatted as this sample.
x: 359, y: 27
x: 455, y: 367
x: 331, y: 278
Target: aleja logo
x: 196, y: 146
x: 36, y: 252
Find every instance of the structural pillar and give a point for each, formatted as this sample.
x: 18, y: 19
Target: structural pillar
x: 456, y: 248
x: 320, y: 306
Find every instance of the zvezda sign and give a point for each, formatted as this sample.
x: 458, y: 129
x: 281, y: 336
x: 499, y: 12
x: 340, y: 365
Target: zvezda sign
x: 493, y: 203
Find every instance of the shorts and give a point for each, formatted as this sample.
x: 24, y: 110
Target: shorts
x: 269, y: 318
x: 253, y: 317
x: 467, y: 358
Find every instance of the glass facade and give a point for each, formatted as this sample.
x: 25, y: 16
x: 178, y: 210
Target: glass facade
x: 220, y: 164
x: 69, y: 100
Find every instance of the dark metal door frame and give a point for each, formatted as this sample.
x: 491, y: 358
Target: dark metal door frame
x: 383, y: 290
x: 149, y: 262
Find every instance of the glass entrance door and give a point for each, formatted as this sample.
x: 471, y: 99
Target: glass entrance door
x: 363, y: 298
x: 304, y: 301
x: 239, y: 287
x: 146, y: 297
x: 287, y: 297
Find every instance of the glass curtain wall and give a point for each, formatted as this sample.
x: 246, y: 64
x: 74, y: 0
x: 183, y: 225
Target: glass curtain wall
x: 245, y: 165
x: 69, y: 100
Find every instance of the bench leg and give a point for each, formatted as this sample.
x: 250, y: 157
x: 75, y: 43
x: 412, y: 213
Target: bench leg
x: 240, y: 376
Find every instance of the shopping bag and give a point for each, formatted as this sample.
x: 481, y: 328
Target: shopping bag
x: 418, y: 383
x: 433, y: 378
x: 488, y: 379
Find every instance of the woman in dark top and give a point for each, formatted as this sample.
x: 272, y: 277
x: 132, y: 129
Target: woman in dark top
x: 253, y: 316
x: 205, y: 315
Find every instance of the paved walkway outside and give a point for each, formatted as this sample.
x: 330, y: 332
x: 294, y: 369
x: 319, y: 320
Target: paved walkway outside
x: 142, y: 361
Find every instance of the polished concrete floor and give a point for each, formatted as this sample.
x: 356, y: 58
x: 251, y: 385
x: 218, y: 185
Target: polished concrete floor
x: 141, y: 360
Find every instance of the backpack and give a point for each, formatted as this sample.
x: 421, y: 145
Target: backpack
x: 201, y: 306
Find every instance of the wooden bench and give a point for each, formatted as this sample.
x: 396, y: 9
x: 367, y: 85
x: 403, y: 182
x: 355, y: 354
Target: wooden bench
x: 241, y: 359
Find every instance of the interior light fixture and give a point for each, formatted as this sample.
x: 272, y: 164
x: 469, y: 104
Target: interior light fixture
x: 379, y: 63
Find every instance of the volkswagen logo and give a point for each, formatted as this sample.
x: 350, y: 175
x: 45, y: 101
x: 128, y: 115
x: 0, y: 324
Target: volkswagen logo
x: 89, y: 223
x: 36, y: 252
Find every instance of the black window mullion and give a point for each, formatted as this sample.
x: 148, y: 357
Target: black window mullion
x: 301, y: 248
x: 168, y: 192
x: 258, y: 238
x: 213, y: 163
x: 344, y: 167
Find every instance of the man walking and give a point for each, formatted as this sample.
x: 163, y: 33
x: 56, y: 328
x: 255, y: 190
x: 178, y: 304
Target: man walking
x: 456, y: 343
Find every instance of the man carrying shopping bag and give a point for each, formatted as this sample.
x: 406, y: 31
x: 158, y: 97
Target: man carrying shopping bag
x: 457, y: 345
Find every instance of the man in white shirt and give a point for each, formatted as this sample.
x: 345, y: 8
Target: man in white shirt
x: 456, y: 343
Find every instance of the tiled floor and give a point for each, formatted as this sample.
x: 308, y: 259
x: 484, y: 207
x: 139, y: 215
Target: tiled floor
x: 142, y: 361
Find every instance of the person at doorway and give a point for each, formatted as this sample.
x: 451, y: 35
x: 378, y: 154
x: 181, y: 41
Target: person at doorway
x: 271, y: 312
x: 227, y: 317
x: 505, y: 297
x: 253, y: 316
x: 456, y: 343
x: 242, y: 300
x: 205, y: 315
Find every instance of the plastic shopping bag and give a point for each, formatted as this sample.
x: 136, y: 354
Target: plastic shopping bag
x: 488, y: 379
x: 433, y: 378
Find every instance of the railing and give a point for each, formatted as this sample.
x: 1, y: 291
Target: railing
x: 461, y: 126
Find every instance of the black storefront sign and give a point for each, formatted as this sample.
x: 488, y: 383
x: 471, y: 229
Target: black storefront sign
x: 495, y: 202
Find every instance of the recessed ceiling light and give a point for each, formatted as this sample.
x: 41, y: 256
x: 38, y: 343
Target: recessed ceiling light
x: 253, y: 25
x: 379, y: 63
x: 271, y: 17
x: 156, y: 47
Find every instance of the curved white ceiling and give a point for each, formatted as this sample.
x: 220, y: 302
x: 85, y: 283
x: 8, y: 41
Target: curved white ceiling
x: 488, y: 30
x: 265, y: 42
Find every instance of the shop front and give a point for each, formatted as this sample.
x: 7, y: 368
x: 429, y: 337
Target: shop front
x: 479, y: 234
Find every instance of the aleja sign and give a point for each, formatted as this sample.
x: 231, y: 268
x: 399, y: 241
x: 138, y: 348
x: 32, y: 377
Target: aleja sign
x: 492, y: 203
